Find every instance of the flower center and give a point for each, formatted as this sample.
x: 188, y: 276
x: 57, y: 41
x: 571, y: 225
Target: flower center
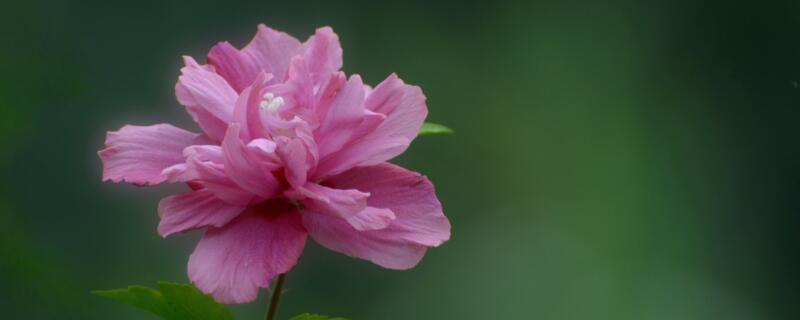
x: 271, y: 102
x: 275, y: 206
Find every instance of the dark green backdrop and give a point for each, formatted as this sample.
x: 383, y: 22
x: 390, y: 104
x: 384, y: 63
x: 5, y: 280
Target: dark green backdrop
x: 631, y: 160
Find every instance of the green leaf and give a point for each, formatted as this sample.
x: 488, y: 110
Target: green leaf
x: 140, y: 297
x: 172, y: 301
x: 188, y: 300
x: 309, y: 316
x: 429, y: 128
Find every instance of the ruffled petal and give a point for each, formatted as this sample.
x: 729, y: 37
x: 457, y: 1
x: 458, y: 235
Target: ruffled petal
x: 371, y: 218
x: 342, y: 118
x: 328, y: 92
x: 270, y: 51
x: 232, y: 262
x: 297, y: 151
x: 419, y: 222
x: 205, y: 169
x: 193, y: 210
x: 247, y: 112
x: 203, y: 154
x: 212, y: 176
x: 297, y: 92
x: 249, y: 165
x: 207, y: 152
x: 295, y: 160
x: 339, y: 203
x: 207, y: 97
x: 405, y: 111
x: 323, y: 54
x: 349, y: 205
x: 139, y: 154
x: 233, y: 65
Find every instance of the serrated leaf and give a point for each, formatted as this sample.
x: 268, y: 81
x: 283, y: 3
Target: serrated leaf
x: 172, y: 301
x: 309, y: 316
x: 429, y: 128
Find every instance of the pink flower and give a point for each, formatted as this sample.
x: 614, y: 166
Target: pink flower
x: 290, y: 147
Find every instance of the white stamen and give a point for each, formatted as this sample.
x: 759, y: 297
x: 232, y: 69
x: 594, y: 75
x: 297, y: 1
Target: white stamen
x: 275, y: 104
x: 271, y: 103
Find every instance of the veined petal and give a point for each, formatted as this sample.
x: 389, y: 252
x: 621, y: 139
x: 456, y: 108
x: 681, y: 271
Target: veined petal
x: 247, y: 112
x: 193, y: 210
x: 204, y: 168
x: 349, y: 205
x: 361, y: 154
x: 419, y: 222
x: 404, y: 107
x: 207, y: 97
x: 232, y: 262
x: 270, y: 51
x: 323, y: 54
x: 328, y: 92
x: 297, y: 150
x: 342, y: 203
x: 212, y: 176
x: 297, y: 91
x: 233, y: 65
x: 371, y: 218
x: 405, y: 111
x: 263, y: 148
x: 206, y: 152
x: 342, y: 118
x: 139, y: 154
x: 248, y: 167
x: 295, y: 160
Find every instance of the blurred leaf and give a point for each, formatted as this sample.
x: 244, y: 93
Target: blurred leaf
x: 140, y: 297
x: 173, y: 301
x: 429, y: 128
x: 186, y: 299
x: 309, y: 316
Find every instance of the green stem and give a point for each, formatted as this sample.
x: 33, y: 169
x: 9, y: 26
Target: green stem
x: 277, y: 287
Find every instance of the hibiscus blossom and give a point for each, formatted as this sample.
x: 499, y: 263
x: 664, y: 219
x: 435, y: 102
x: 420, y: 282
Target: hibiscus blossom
x: 290, y: 147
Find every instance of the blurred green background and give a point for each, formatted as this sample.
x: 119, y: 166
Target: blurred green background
x: 630, y: 160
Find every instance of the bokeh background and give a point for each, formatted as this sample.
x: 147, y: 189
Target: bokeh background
x: 628, y: 160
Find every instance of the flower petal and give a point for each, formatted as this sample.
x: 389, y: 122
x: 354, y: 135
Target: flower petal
x: 371, y: 218
x: 205, y: 169
x: 233, y: 65
x: 328, y: 92
x: 211, y: 176
x: 342, y: 118
x: 297, y: 92
x: 193, y: 210
x: 295, y: 160
x: 349, y: 205
x: 419, y: 221
x: 270, y: 51
x: 205, y: 152
x: 139, y: 154
x: 248, y: 166
x: 323, y: 54
x: 247, y: 112
x: 405, y: 110
x: 207, y: 97
x: 232, y: 262
x: 335, y: 202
